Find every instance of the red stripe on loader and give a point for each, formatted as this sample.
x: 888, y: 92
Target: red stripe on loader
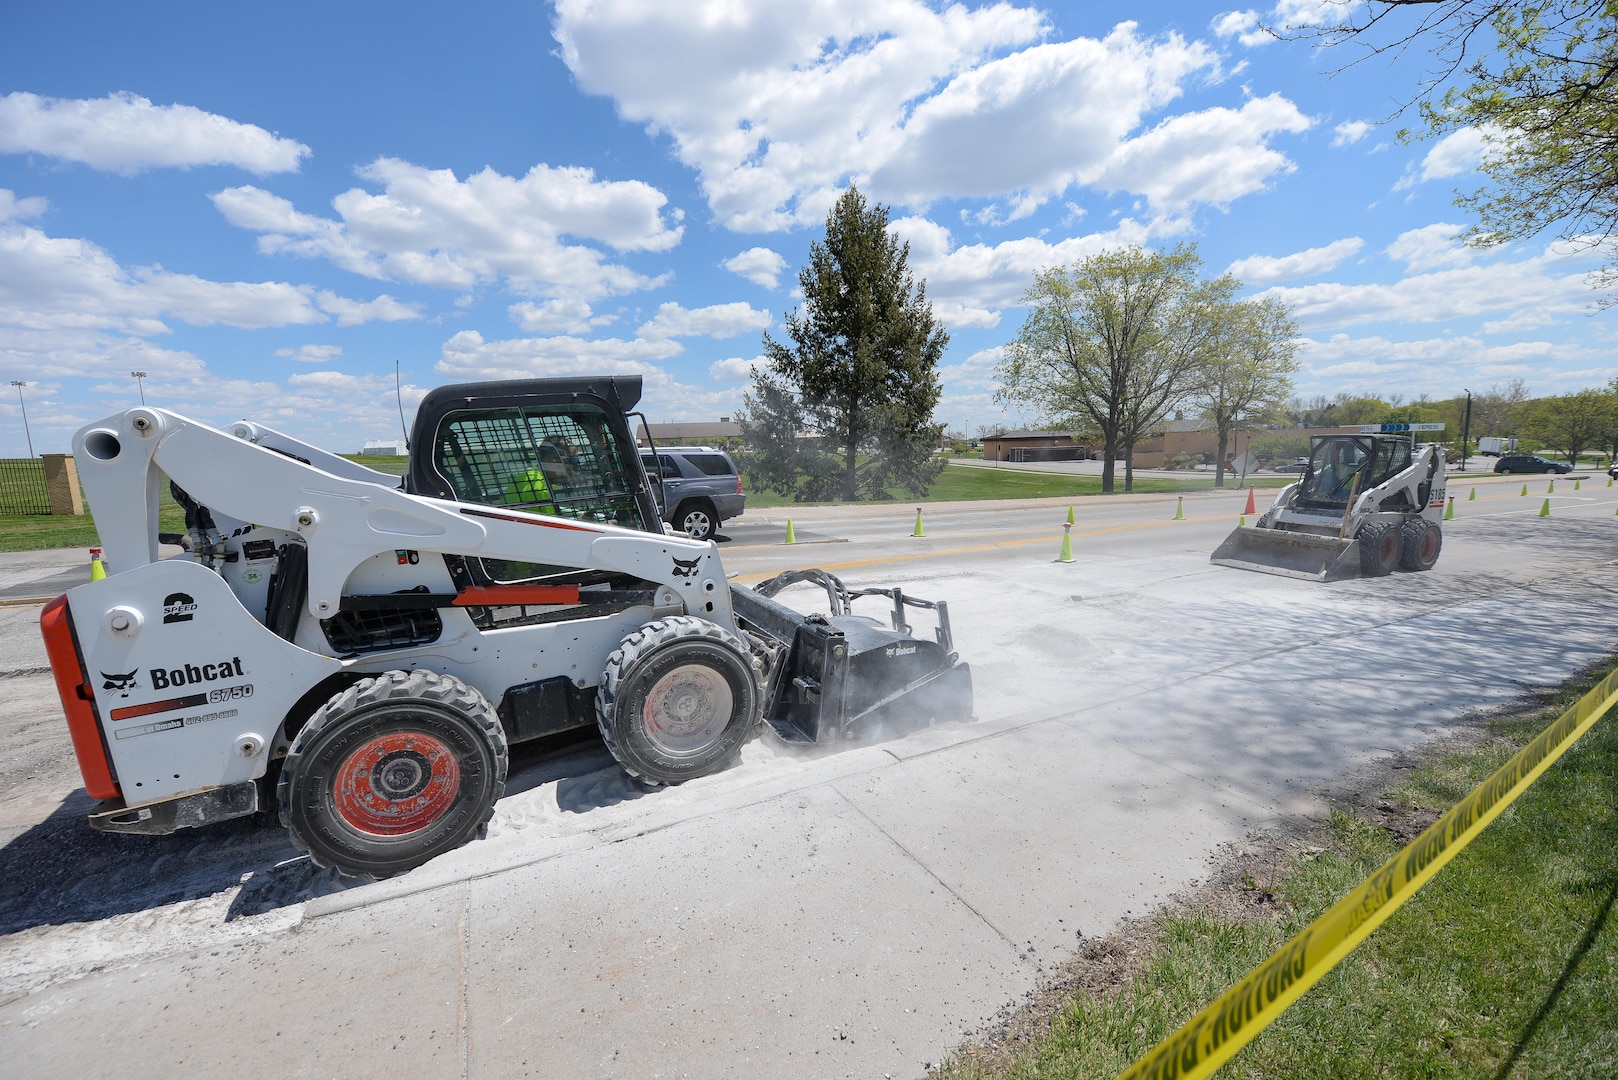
x: 166, y: 705
x: 510, y: 595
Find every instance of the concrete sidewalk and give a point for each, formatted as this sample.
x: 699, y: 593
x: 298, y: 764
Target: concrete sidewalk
x: 853, y: 913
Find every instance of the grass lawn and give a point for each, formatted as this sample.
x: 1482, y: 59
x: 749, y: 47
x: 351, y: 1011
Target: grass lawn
x: 21, y: 533
x: 36, y: 533
x: 961, y: 483
x: 1505, y: 964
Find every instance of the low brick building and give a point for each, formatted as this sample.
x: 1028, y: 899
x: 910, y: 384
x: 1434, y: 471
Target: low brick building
x: 1033, y: 446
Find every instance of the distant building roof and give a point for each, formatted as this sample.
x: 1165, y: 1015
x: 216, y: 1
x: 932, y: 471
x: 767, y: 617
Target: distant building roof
x: 1202, y: 424
x: 1029, y: 435
x: 712, y: 429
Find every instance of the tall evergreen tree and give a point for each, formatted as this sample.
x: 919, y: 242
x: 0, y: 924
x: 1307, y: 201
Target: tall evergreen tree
x: 860, y: 376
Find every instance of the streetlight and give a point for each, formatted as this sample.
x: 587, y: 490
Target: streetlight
x: 138, y: 376
x: 19, y: 384
x: 1466, y: 429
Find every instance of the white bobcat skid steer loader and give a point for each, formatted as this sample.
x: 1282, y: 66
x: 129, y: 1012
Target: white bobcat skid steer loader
x: 1368, y: 504
x: 362, y: 650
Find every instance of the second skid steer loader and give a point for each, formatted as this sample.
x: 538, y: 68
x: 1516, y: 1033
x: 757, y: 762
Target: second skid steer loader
x: 1368, y: 504
x: 361, y: 651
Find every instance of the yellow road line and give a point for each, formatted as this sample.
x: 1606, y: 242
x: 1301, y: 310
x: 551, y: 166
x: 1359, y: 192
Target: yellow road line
x: 1053, y: 539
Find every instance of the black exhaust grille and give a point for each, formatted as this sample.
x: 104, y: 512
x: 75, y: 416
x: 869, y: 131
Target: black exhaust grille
x: 352, y: 631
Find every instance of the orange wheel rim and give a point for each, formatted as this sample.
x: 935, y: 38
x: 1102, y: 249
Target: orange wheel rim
x: 397, y: 784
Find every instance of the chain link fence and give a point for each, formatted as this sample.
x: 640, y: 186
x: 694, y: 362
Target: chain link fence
x: 22, y: 486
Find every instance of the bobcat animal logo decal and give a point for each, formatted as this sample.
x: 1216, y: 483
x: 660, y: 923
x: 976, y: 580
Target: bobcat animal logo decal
x: 121, y: 683
x: 686, y: 567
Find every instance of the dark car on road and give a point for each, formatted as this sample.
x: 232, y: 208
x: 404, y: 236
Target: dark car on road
x: 1525, y: 463
x: 699, y: 488
x: 1299, y: 466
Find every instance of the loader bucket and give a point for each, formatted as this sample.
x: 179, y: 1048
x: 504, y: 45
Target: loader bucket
x: 851, y: 676
x: 1290, y: 554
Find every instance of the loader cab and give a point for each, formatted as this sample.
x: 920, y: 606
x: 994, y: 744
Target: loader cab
x: 1342, y: 466
x: 558, y: 447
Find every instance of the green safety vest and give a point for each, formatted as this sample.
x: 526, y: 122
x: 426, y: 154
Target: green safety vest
x: 529, y: 487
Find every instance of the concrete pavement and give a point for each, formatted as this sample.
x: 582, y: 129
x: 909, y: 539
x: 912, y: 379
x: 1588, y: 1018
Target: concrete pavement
x: 848, y: 913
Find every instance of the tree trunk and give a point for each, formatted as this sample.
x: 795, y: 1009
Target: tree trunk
x: 1129, y: 467
x: 1107, y: 472
x: 851, y: 479
x: 1219, y: 464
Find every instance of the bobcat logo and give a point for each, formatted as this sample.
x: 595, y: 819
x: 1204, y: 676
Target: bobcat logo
x: 686, y: 567
x: 121, y: 683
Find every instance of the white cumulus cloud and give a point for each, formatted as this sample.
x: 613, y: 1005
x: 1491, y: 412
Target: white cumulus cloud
x: 779, y: 106
x: 563, y: 315
x: 1446, y: 285
x: 735, y: 369
x: 715, y: 321
x: 123, y: 133
x: 1431, y: 247
x: 759, y: 265
x: 15, y: 209
x: 430, y: 227
x: 1350, y: 132
x: 1244, y: 26
x: 468, y: 356
x: 354, y: 312
x: 311, y: 354
x: 1262, y: 269
x: 969, y: 284
x: 1457, y: 153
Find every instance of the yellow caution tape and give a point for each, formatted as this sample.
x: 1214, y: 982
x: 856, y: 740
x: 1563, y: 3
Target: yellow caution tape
x: 1232, y: 1021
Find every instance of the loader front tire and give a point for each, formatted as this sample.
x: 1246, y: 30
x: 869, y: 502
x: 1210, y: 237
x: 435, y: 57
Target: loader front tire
x: 1379, y: 549
x: 1419, y: 545
x: 393, y: 771
x: 677, y: 700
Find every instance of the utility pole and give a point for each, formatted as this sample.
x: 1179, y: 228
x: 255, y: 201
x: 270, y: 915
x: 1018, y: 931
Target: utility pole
x: 19, y: 384
x: 139, y: 377
x: 1466, y: 429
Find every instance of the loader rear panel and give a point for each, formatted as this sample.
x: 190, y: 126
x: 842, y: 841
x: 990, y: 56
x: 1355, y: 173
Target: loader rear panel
x: 78, y: 700
x: 1308, y: 556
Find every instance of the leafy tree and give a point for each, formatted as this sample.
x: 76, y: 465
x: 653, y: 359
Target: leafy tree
x: 1573, y: 422
x: 1248, y: 361
x: 1112, y: 343
x: 1499, y: 410
x: 1410, y: 414
x: 1544, y: 99
x: 861, y: 375
x: 1279, y: 446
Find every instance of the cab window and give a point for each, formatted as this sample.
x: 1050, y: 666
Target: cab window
x: 561, y: 460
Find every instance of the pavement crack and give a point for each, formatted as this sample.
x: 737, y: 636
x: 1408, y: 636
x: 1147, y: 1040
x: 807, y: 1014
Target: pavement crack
x: 464, y: 931
x: 913, y: 857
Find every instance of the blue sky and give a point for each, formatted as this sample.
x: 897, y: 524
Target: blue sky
x: 266, y: 208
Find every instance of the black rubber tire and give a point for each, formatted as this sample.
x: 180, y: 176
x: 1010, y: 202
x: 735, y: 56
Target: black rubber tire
x: 697, y: 519
x: 1419, y: 545
x: 685, y: 660
x: 361, y: 829
x: 1379, y: 549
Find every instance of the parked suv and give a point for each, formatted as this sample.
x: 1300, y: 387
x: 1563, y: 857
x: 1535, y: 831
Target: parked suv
x: 1510, y: 463
x: 700, y: 488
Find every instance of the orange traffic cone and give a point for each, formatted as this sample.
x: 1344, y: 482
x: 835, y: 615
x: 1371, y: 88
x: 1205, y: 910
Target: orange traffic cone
x: 1252, y: 503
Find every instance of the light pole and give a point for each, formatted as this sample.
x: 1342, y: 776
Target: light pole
x: 139, y: 377
x: 19, y: 384
x: 1466, y: 429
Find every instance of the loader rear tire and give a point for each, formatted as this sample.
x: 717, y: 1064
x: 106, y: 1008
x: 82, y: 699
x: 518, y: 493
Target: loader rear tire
x: 1419, y: 545
x: 1379, y: 549
x: 393, y: 771
x: 677, y: 700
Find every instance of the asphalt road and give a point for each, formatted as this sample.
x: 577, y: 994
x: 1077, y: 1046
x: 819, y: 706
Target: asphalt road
x: 844, y: 912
